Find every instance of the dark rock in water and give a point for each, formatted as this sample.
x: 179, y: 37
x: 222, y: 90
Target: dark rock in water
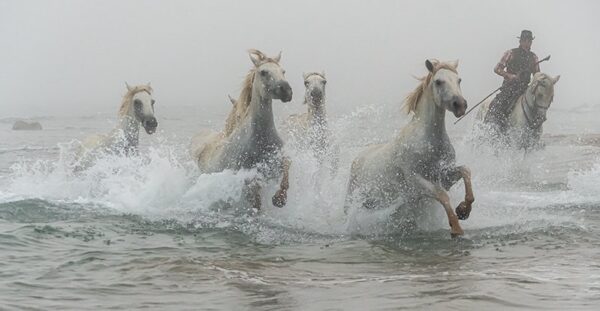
x: 21, y: 125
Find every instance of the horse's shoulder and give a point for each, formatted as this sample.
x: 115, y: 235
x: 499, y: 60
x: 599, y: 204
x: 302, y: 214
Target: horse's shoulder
x: 374, y: 155
x: 93, y: 141
x: 205, y: 143
x: 298, y: 120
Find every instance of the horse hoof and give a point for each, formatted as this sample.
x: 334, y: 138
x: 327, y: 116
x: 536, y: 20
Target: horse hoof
x: 455, y: 233
x: 463, y: 211
x: 280, y: 199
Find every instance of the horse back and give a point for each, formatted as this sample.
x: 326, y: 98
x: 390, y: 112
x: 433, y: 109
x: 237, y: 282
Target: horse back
x: 204, y: 145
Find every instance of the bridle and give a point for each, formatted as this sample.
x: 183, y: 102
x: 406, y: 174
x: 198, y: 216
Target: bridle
x: 534, y: 122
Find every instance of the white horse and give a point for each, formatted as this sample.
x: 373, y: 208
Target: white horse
x: 250, y: 139
x: 137, y: 108
x: 311, y: 128
x: 528, y: 113
x: 420, y: 161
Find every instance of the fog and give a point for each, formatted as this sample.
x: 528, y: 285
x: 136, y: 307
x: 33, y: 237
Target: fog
x: 73, y: 57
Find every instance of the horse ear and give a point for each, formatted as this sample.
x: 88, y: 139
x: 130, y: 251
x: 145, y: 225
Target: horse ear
x: 323, y: 73
x: 231, y: 99
x: 278, y: 57
x: 455, y: 64
x: 255, y: 59
x: 555, y: 79
x: 148, y: 84
x: 129, y: 88
x: 429, y: 66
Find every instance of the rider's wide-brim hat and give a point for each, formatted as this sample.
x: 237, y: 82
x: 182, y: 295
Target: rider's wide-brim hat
x: 526, y: 34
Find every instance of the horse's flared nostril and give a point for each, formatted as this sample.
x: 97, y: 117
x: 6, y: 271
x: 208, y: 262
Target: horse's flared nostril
x: 455, y: 105
x: 459, y: 103
x: 152, y: 122
x: 284, y: 91
x: 458, y: 106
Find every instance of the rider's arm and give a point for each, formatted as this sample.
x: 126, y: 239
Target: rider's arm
x: 537, y: 65
x: 499, y: 69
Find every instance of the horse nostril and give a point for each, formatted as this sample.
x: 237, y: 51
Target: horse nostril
x: 152, y: 122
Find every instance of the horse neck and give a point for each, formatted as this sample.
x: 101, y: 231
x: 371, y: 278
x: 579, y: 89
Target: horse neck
x: 529, y: 101
x: 429, y: 115
x: 130, y: 127
x: 317, y: 114
x: 260, y: 111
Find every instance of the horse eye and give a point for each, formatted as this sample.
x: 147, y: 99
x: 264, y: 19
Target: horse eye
x: 137, y: 104
x: 153, y: 101
x: 459, y: 80
x: 282, y: 71
x: 263, y: 73
x: 324, y: 82
x: 306, y: 83
x: 438, y: 82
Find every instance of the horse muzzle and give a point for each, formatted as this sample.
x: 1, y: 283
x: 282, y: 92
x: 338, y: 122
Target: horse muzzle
x: 458, y: 106
x: 283, y: 91
x: 150, y: 125
x: 316, y: 94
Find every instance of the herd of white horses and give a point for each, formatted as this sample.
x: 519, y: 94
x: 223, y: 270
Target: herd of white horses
x: 419, y: 163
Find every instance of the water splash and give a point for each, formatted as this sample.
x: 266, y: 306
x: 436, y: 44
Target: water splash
x: 512, y: 189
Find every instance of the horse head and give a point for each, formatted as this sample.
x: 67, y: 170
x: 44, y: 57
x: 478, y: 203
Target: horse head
x: 445, y: 84
x: 143, y: 106
x: 541, y: 89
x: 270, y: 76
x: 315, y: 88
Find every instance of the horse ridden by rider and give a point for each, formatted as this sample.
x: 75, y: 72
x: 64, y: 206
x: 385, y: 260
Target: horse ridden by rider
x: 516, y: 67
x: 516, y: 114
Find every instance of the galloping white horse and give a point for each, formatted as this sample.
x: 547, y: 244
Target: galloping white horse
x: 250, y: 139
x: 528, y: 113
x: 137, y: 108
x: 420, y: 161
x: 311, y: 128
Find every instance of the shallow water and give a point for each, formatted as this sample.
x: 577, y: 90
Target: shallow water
x: 151, y: 232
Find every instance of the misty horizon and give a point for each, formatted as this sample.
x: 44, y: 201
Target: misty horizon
x: 69, y: 58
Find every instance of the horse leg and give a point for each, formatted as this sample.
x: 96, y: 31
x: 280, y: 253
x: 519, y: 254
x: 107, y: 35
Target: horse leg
x: 252, y: 193
x: 439, y: 194
x: 450, y: 178
x: 463, y: 210
x: 280, y: 197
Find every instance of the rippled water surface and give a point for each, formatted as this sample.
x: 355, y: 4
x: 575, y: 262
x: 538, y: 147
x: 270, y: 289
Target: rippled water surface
x: 151, y: 232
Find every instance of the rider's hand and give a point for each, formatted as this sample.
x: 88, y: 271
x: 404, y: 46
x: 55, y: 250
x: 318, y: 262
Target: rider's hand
x: 511, y: 77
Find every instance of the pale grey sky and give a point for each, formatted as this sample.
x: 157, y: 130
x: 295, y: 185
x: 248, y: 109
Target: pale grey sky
x: 72, y: 57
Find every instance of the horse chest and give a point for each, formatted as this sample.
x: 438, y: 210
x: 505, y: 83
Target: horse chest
x: 432, y: 158
x: 253, y: 150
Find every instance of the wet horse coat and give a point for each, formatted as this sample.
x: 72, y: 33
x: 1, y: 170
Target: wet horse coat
x: 420, y: 161
x: 137, y: 108
x: 311, y: 128
x: 250, y: 139
x: 527, y: 115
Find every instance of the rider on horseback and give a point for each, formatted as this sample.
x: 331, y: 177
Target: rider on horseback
x: 516, y: 67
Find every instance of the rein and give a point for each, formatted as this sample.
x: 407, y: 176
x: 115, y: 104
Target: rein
x: 530, y: 121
